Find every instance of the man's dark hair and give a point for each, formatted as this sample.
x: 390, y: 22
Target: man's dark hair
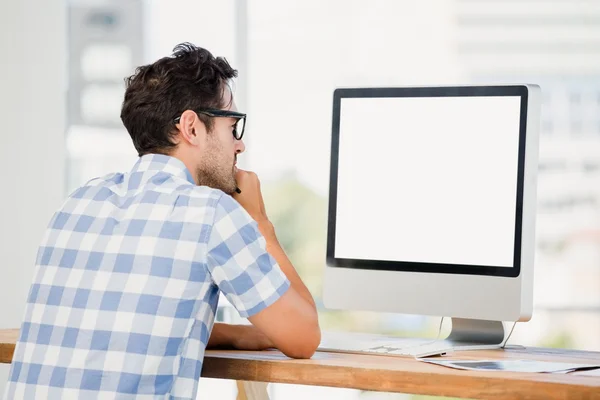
x: 192, y: 78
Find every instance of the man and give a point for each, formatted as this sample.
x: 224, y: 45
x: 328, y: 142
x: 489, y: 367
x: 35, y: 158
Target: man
x: 129, y: 272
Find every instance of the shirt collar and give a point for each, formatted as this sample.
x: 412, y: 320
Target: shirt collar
x: 163, y: 163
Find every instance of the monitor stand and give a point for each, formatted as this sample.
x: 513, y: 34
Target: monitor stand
x: 466, y: 334
x: 477, y: 333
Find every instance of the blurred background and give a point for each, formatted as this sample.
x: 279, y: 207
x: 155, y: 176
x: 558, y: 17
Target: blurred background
x: 61, y: 79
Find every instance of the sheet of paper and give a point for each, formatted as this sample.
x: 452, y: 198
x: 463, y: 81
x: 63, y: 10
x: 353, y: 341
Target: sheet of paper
x: 512, y: 365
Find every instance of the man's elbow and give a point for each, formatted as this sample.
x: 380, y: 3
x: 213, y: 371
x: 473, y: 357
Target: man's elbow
x: 307, y: 346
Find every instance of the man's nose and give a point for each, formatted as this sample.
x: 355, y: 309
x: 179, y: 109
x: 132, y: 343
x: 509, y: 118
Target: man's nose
x: 240, y: 146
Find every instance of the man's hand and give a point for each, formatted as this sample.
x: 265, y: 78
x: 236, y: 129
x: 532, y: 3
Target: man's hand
x: 251, y: 197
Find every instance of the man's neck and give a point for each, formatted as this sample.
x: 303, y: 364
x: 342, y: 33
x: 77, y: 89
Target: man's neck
x: 191, y: 167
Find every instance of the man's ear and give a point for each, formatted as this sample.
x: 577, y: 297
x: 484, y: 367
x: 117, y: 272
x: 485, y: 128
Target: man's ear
x: 191, y: 128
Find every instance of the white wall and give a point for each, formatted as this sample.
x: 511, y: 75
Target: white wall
x: 33, y: 52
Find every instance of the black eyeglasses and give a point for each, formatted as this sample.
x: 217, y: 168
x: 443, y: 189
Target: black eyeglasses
x: 238, y: 128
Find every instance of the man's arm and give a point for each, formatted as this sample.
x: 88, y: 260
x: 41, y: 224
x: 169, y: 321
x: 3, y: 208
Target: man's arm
x: 240, y: 337
x: 249, y: 337
x: 251, y: 199
x: 274, y: 248
x: 291, y: 323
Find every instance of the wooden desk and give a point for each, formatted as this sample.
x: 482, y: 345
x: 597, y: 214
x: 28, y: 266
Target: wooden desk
x: 394, y: 374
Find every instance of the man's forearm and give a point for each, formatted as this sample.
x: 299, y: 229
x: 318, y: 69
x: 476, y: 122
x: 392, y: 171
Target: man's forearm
x: 275, y: 249
x: 240, y: 337
x: 222, y: 335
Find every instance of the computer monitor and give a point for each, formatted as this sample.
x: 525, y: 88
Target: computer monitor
x: 432, y: 204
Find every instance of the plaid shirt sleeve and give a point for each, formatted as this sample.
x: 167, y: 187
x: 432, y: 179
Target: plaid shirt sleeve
x: 238, y: 260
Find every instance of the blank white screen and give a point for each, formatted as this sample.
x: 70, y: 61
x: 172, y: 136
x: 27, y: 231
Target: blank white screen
x: 429, y: 179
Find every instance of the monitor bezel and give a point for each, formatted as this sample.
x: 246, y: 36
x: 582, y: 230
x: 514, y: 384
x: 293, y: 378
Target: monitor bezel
x: 449, y: 91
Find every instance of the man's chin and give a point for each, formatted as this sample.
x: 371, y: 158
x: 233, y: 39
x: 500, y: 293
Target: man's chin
x: 229, y: 191
x: 228, y: 188
x: 225, y: 185
x: 224, y: 188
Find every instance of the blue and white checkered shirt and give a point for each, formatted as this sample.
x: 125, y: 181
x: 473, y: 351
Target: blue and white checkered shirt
x: 127, y: 282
